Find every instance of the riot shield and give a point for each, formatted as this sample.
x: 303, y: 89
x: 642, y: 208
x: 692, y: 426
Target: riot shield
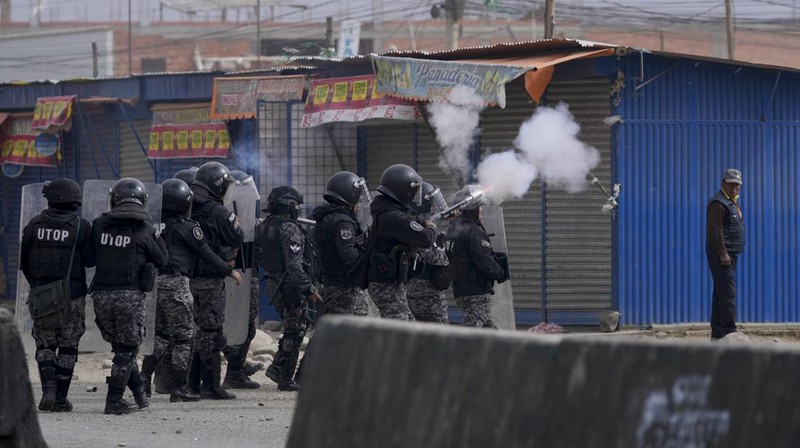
x: 95, y: 203
x: 242, y: 200
x: 503, y: 299
x: 33, y: 203
x: 363, y: 213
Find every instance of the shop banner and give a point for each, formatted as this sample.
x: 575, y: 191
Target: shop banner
x: 53, y: 113
x: 187, y: 132
x: 236, y: 98
x: 353, y: 99
x: 431, y: 80
x: 18, y: 145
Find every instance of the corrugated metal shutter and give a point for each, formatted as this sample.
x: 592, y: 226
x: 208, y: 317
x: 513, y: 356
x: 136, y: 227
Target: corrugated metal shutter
x: 523, y: 217
x: 133, y: 161
x: 578, y: 244
x: 98, y: 158
x: 388, y: 144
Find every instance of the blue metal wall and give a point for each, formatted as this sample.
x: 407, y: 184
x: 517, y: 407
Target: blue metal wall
x: 681, y: 131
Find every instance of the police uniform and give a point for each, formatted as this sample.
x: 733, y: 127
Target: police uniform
x: 427, y: 303
x: 397, y: 232
x: 339, y: 241
x: 221, y: 228
x: 288, y: 261
x: 476, y: 270
x: 124, y: 242
x: 47, y: 243
x: 186, y: 244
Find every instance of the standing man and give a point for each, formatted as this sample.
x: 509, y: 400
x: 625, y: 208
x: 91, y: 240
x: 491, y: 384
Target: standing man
x: 426, y: 300
x: 288, y: 259
x: 724, y: 244
x: 124, y: 242
x: 221, y: 228
x: 340, y: 242
x: 398, y: 232
x: 186, y: 244
x: 47, y: 243
x: 470, y: 252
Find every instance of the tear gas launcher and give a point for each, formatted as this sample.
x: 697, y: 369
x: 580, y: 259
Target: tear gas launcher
x: 473, y: 198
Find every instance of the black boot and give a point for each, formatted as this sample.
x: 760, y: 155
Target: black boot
x: 251, y: 368
x: 212, y: 374
x: 62, y: 389
x: 137, y: 387
x: 195, y: 374
x: 179, y: 390
x: 149, y: 363
x: 47, y: 373
x: 120, y: 372
x: 282, y: 371
x: 234, y: 375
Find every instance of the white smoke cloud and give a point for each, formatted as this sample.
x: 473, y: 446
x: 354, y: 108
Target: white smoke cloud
x: 547, y: 146
x: 456, y: 124
x: 549, y: 141
x: 505, y: 175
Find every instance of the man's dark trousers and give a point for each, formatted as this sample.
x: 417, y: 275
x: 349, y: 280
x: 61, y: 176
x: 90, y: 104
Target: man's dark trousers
x: 723, y: 300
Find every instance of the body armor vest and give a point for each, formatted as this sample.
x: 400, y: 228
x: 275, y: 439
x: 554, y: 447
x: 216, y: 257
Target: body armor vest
x: 51, y: 250
x: 116, y: 255
x: 182, y: 259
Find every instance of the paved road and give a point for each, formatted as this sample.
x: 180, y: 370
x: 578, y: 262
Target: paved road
x: 256, y: 418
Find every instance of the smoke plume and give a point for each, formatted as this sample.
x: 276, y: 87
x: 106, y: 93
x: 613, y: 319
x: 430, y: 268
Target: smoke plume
x: 456, y: 124
x: 547, y: 146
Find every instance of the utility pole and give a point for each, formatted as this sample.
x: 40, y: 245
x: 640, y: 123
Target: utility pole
x: 549, y: 18
x: 453, y: 13
x: 258, y: 34
x: 328, y: 36
x: 130, y: 37
x: 729, y: 27
x: 94, y: 60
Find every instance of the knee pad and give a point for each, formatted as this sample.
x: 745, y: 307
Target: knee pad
x: 220, y: 341
x: 67, y: 357
x: 291, y: 342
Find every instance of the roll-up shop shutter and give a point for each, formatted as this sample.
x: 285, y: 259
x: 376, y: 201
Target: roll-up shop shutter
x: 523, y: 217
x: 388, y: 144
x: 578, y: 233
x: 133, y: 161
x: 100, y: 154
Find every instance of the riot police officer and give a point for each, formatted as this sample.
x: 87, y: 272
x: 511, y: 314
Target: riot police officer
x: 287, y: 256
x: 186, y: 244
x: 238, y: 372
x: 187, y: 175
x: 476, y: 270
x: 221, y: 228
x: 340, y: 242
x: 426, y: 298
x: 46, y: 252
x: 125, y: 243
x: 398, y: 232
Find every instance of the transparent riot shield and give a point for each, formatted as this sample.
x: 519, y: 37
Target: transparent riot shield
x: 95, y: 203
x: 240, y: 199
x: 362, y: 209
x: 503, y: 299
x: 33, y: 203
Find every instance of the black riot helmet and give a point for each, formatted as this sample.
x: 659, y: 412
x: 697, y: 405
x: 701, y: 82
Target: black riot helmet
x: 128, y: 191
x: 187, y: 175
x: 241, y: 177
x: 215, y: 178
x: 176, y: 197
x: 284, y: 200
x: 401, y: 183
x: 345, y: 188
x: 425, y: 205
x: 62, y: 192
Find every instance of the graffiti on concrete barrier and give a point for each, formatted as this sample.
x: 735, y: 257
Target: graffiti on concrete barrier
x: 680, y: 417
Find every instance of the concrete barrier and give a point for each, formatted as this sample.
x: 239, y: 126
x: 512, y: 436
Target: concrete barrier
x: 19, y: 423
x: 380, y: 383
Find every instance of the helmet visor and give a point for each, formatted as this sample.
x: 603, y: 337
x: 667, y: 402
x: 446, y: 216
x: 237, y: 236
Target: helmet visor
x: 437, y: 199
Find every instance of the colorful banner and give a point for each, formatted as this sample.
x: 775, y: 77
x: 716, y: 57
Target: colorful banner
x: 52, y: 113
x: 187, y: 132
x: 18, y: 145
x: 236, y: 98
x: 353, y: 99
x: 431, y: 80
